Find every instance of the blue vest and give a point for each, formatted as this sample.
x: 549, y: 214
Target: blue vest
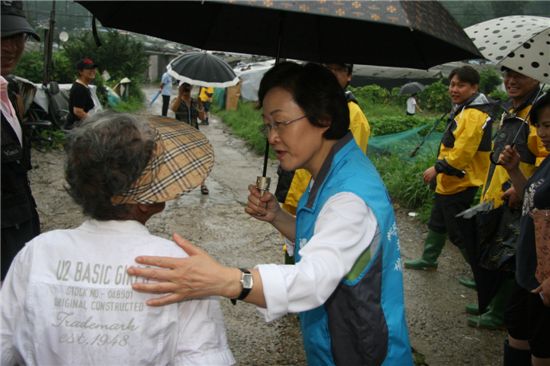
x: 363, y: 321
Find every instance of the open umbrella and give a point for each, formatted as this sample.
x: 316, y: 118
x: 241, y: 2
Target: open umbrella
x: 519, y: 42
x: 416, y: 34
x: 202, y: 69
x: 411, y: 88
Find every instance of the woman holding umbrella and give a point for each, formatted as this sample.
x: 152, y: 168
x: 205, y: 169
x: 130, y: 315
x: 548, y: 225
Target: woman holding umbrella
x: 347, y: 282
x: 188, y: 110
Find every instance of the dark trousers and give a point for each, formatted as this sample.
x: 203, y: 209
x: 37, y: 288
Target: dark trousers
x: 14, y: 239
x: 444, y: 210
x: 165, y: 104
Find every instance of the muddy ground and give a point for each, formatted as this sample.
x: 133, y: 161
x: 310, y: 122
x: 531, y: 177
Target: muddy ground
x: 217, y: 222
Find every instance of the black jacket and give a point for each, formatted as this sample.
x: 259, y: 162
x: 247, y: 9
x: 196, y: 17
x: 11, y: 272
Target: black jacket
x: 18, y: 204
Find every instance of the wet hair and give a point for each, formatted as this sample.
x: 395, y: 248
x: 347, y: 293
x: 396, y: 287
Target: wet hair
x: 537, y: 108
x: 466, y: 74
x: 106, y: 154
x: 316, y: 90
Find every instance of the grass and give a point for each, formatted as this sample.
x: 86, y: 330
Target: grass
x: 133, y: 104
x: 245, y: 123
x: 402, y: 176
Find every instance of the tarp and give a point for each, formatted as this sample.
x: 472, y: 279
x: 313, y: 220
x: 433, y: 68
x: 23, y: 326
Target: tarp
x: 251, y: 75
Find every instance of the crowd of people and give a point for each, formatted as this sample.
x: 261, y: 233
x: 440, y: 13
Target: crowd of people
x: 68, y: 290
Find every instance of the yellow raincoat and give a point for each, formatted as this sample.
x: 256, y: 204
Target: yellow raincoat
x: 465, y: 154
x: 500, y: 176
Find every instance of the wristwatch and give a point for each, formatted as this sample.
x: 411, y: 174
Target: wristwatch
x: 247, y: 282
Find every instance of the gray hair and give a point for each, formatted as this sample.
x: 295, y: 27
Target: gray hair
x: 105, y: 155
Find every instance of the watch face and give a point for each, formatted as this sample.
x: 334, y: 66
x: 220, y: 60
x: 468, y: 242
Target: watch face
x: 247, y: 280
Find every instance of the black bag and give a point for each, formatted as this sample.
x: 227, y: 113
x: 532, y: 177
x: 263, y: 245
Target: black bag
x: 498, y: 232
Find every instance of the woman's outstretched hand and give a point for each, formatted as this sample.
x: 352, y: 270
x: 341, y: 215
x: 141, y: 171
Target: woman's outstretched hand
x: 178, y: 279
x: 262, y: 207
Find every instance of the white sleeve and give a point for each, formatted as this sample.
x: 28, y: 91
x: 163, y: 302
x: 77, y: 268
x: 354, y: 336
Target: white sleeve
x: 344, y: 229
x: 12, y: 301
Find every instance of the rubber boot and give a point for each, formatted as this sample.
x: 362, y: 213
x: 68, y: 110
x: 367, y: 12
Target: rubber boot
x: 516, y: 357
x: 467, y: 282
x: 433, y: 245
x: 494, y: 317
x: 472, y: 309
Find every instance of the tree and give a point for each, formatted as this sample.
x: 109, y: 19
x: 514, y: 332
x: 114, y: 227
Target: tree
x: 119, y: 54
x: 489, y: 79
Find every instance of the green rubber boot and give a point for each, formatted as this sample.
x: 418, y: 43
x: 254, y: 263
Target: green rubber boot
x: 494, y: 317
x: 433, y: 245
x: 472, y: 309
x: 467, y: 282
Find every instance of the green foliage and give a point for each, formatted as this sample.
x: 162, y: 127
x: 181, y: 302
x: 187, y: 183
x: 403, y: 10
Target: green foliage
x: 489, y: 80
x: 119, y: 54
x: 133, y: 104
x: 403, y: 179
x: 372, y: 93
x: 49, y: 139
x: 436, y: 97
x: 31, y: 66
x: 498, y: 94
x: 245, y: 122
x: 392, y: 124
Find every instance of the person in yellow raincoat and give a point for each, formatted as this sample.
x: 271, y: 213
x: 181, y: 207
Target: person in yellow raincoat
x: 461, y: 165
x: 498, y: 283
x: 292, y: 185
x: 205, y: 97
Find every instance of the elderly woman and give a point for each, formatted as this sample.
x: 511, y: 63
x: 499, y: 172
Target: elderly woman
x: 347, y: 281
x: 67, y: 298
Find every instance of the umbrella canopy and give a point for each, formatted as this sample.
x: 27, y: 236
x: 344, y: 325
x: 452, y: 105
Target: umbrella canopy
x: 519, y: 42
x: 417, y: 34
x: 411, y: 88
x: 202, y: 69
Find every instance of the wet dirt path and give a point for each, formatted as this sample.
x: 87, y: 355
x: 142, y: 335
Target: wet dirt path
x: 217, y: 222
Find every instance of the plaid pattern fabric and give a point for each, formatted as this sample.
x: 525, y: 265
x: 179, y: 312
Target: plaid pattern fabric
x: 181, y: 161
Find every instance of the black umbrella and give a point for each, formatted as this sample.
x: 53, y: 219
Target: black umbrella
x: 202, y: 69
x: 411, y: 88
x: 416, y: 34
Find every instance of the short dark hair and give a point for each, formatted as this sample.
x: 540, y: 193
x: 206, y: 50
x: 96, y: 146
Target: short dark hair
x: 466, y: 74
x: 106, y: 154
x: 536, y: 110
x: 316, y: 90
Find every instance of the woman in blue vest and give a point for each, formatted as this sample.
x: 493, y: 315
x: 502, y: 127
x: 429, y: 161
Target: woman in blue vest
x: 347, y: 282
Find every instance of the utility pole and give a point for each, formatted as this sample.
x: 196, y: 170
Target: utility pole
x: 48, y: 46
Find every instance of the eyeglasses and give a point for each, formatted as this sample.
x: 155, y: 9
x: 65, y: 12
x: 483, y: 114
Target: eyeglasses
x: 267, y: 127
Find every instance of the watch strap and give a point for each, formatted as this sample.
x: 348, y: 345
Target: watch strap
x: 245, y: 291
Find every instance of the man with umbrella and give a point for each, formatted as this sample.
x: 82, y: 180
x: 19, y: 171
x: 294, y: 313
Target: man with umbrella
x: 494, y: 274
